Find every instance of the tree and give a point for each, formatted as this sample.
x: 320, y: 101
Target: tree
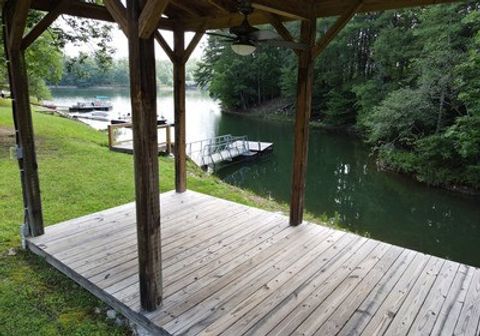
x: 44, y: 56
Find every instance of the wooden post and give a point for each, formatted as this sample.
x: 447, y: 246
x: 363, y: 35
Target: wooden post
x: 22, y: 116
x: 179, y: 103
x: 168, y: 139
x: 145, y: 143
x: 302, y: 118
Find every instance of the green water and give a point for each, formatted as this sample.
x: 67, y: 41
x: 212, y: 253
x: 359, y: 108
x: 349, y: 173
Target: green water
x: 342, y: 180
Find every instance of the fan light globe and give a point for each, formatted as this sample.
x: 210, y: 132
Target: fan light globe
x: 243, y: 48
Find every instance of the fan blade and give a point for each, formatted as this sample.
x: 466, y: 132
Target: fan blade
x: 262, y: 35
x: 221, y: 35
x: 284, y: 44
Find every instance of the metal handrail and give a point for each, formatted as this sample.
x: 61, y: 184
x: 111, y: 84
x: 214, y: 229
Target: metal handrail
x: 226, y: 146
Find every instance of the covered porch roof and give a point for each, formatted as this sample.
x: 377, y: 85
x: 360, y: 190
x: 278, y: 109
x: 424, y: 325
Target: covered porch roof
x: 217, y: 14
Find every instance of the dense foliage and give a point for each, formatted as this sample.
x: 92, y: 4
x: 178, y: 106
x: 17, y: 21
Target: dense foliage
x: 45, y: 56
x: 407, y: 81
x: 87, y: 71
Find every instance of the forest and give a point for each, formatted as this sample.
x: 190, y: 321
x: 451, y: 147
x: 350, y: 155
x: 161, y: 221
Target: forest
x: 405, y: 81
x: 87, y: 71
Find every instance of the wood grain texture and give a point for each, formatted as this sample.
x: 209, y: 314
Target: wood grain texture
x: 302, y: 122
x: 149, y: 20
x: 179, y: 110
x: 143, y: 88
x: 14, y: 19
x: 230, y: 269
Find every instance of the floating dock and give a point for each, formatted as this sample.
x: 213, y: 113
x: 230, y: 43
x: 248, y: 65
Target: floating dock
x: 225, y: 149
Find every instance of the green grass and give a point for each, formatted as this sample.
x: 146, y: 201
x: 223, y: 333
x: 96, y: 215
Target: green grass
x: 78, y: 175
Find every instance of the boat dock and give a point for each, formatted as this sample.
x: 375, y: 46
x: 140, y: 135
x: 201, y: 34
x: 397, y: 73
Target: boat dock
x: 231, y: 269
x: 126, y: 145
x: 225, y: 149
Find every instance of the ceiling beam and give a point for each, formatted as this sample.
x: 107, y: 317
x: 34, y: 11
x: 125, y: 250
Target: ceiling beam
x: 89, y: 11
x: 193, y: 44
x: 333, y: 31
x: 276, y: 22
x: 323, y: 8
x: 335, y: 8
x: 18, y: 23
x: 119, y: 13
x: 166, y: 48
x: 150, y: 17
x: 221, y: 6
x: 184, y: 8
x: 297, y: 10
x: 43, y: 24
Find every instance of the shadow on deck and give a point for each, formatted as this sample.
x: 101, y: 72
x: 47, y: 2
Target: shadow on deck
x: 235, y: 270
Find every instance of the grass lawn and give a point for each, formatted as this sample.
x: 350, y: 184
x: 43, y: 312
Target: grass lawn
x: 78, y: 175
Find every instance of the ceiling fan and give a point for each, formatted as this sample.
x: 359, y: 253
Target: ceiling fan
x: 245, y: 38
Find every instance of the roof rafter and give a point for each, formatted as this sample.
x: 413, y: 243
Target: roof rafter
x: 298, y: 10
x: 333, y: 31
x: 150, y: 17
x: 276, y: 22
x: 119, y: 13
x: 89, y: 11
x: 44, y: 23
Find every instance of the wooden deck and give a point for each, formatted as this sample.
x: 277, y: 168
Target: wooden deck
x: 234, y: 270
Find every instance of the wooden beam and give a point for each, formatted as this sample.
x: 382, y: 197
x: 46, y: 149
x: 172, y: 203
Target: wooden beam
x: 166, y: 48
x: 297, y: 10
x: 88, y: 10
x: 302, y: 119
x: 44, y: 23
x: 184, y: 8
x: 22, y: 116
x: 18, y: 23
x: 221, y: 6
x: 192, y: 45
x: 325, y: 40
x: 119, y: 13
x: 150, y: 17
x: 179, y: 110
x: 143, y: 92
x: 336, y: 8
x: 276, y: 22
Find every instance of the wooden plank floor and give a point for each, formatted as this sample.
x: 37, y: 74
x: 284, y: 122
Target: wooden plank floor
x: 230, y: 269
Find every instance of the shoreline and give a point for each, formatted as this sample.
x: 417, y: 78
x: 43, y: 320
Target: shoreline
x: 260, y: 112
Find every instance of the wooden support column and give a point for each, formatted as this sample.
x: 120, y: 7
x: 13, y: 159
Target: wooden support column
x: 302, y: 118
x: 179, y: 109
x: 14, y: 19
x: 145, y: 147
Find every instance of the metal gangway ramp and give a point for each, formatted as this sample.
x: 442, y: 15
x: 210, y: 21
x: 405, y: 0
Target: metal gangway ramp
x: 213, y: 151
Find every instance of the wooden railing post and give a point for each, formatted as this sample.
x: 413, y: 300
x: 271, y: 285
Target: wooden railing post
x: 302, y: 118
x: 145, y: 143
x: 15, y: 17
x: 168, y: 139
x: 179, y: 106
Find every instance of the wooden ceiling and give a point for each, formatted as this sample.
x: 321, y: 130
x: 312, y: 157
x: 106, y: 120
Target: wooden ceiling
x: 194, y: 15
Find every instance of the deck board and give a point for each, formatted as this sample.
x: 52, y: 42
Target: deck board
x: 231, y: 269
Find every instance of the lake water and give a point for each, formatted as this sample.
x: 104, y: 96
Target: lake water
x: 342, y: 179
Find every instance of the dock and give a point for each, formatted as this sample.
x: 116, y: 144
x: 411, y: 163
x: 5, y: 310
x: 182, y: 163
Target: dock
x: 126, y: 145
x: 230, y: 269
x: 225, y: 149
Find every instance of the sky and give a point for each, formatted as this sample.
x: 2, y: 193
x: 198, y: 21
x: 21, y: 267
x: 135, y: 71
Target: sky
x: 119, y: 41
